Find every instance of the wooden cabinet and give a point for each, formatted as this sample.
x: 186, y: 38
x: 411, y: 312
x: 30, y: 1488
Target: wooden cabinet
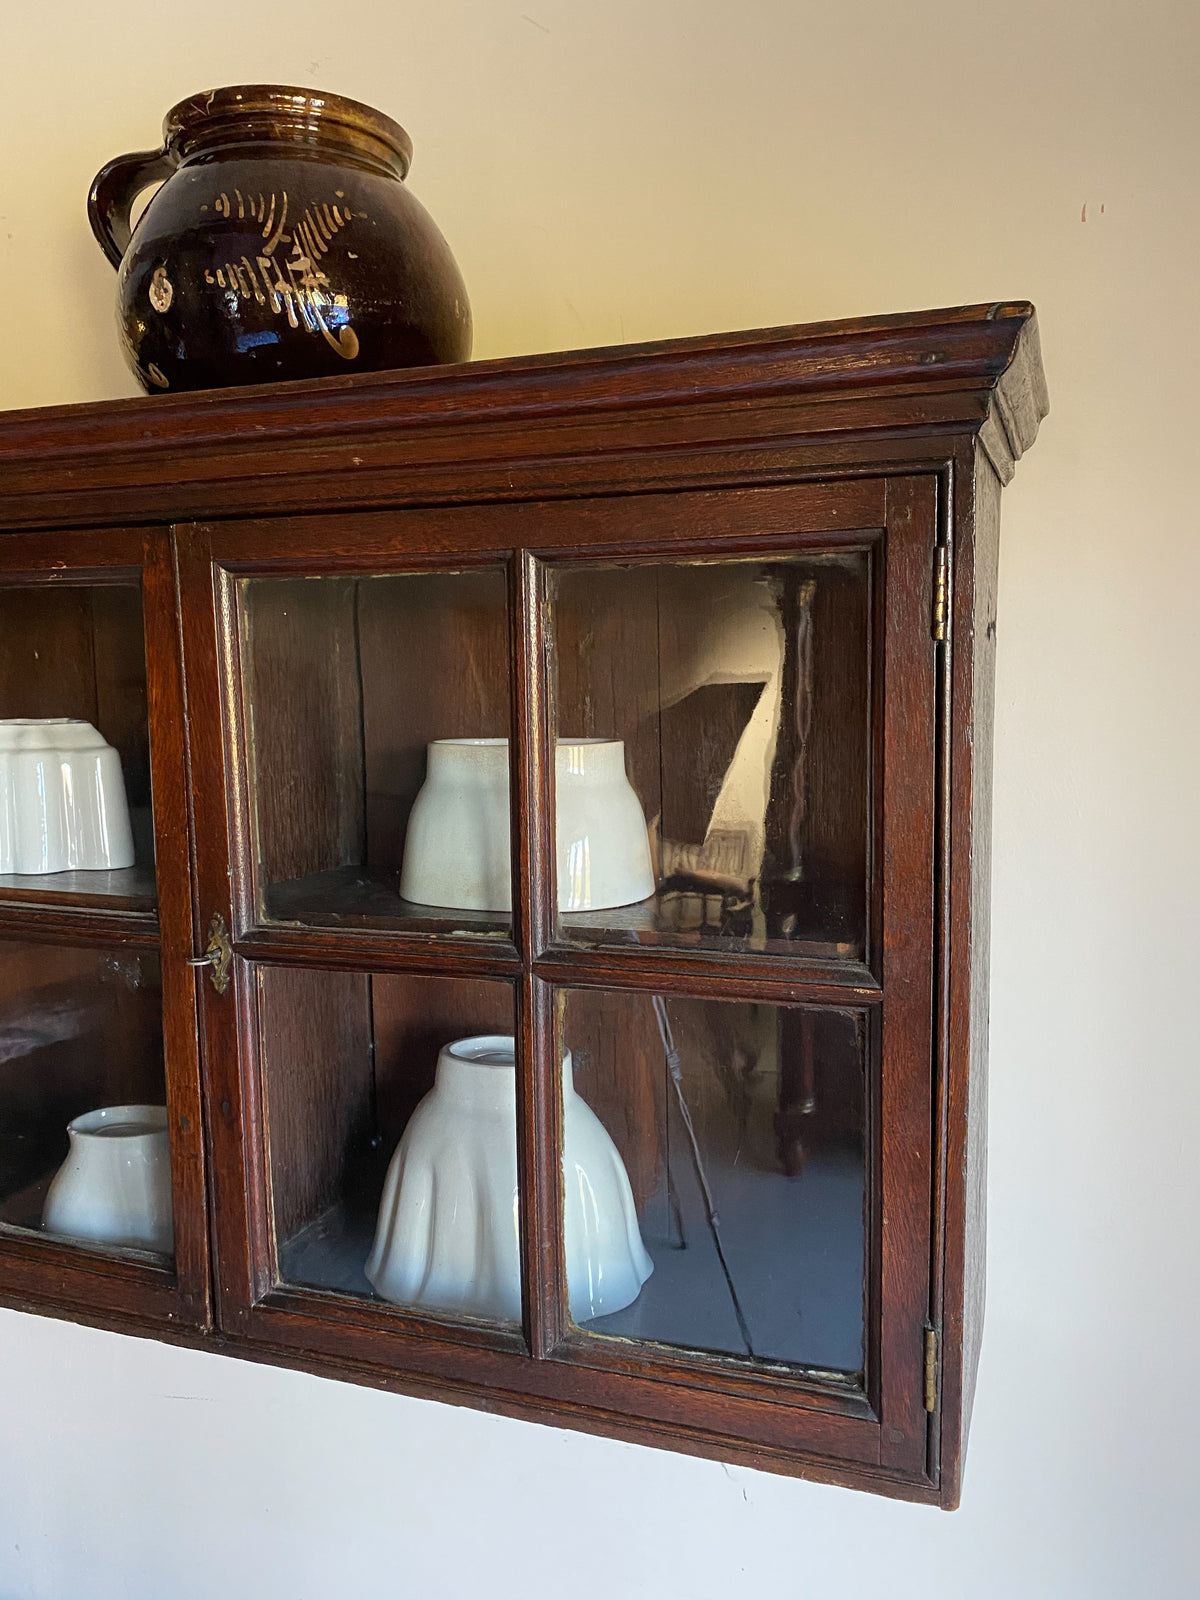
x: 369, y: 649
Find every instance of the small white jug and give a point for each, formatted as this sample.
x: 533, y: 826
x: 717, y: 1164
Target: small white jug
x: 114, y: 1188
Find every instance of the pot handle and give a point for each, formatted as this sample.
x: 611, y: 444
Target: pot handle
x: 114, y: 189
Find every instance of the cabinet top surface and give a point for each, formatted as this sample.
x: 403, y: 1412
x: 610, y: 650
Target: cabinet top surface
x: 959, y: 369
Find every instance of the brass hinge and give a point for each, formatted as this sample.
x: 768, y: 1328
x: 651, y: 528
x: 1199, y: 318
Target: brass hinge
x: 941, y: 585
x: 931, y: 1372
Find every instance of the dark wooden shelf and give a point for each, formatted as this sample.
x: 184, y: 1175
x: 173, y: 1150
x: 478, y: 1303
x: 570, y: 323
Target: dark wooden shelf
x: 685, y: 1303
x: 369, y: 897
x: 127, y: 889
x: 646, y: 926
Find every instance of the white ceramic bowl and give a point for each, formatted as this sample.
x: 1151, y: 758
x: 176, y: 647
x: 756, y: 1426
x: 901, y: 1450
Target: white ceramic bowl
x: 457, y: 852
x: 62, y: 798
x: 114, y: 1188
x: 447, y: 1239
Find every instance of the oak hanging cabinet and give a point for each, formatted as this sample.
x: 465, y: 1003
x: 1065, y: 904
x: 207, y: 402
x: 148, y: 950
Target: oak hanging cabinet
x: 559, y: 918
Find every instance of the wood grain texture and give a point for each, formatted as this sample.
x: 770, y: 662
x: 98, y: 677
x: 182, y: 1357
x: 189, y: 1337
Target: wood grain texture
x: 967, y: 939
x: 78, y: 651
x: 121, y: 889
x: 539, y: 1102
x: 606, y: 666
x: 303, y: 712
x: 149, y: 457
x: 839, y: 445
x: 904, y: 1130
x: 105, y: 605
x: 413, y: 1020
x: 433, y: 664
x: 227, y: 1024
x: 317, y: 1064
x: 82, y: 1028
x: 172, y: 848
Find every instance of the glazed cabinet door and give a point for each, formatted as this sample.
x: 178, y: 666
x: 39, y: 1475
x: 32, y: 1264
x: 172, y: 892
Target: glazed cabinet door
x: 578, y: 864
x: 102, y: 1188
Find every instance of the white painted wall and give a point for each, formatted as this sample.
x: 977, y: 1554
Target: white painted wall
x: 642, y: 168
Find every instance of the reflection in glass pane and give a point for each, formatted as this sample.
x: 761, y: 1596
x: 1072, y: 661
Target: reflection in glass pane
x: 83, y: 1132
x: 377, y: 717
x: 391, y: 1115
x: 74, y: 745
x: 740, y: 1130
x: 740, y: 692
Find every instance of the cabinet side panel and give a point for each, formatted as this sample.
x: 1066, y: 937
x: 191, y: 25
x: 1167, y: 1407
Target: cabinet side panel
x: 976, y: 556
x: 987, y: 549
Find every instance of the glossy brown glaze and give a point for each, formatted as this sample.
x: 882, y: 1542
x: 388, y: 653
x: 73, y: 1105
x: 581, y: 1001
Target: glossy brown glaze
x: 890, y: 436
x: 282, y: 244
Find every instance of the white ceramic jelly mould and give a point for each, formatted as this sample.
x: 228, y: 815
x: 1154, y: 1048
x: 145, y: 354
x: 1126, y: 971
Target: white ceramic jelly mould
x: 447, y: 1239
x: 114, y: 1188
x: 62, y: 798
x: 457, y: 849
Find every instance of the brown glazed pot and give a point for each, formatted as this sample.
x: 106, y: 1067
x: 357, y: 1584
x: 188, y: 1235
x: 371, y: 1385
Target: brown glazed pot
x: 283, y: 244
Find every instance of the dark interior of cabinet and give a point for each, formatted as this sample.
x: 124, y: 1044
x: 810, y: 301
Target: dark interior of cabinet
x: 345, y: 683
x: 80, y: 1029
x: 742, y: 693
x: 749, y: 680
x: 345, y: 1058
x: 776, y: 1097
x: 78, y: 650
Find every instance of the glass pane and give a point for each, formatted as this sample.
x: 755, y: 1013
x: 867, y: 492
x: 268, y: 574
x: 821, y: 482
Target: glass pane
x: 713, y: 757
x: 377, y: 711
x: 715, y: 1176
x: 75, y: 821
x: 83, y: 1124
x: 391, y: 1115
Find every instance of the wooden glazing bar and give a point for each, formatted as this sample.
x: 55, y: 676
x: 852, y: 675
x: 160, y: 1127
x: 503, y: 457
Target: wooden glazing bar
x: 168, y: 759
x: 398, y: 542
x: 448, y: 956
x: 235, y: 745
x: 226, y: 1025
x: 714, y: 977
x: 539, y: 1100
